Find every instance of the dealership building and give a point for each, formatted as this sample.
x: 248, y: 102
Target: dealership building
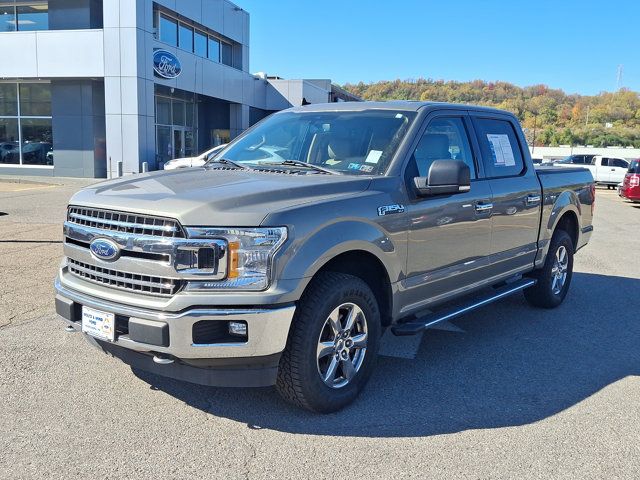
x: 88, y: 87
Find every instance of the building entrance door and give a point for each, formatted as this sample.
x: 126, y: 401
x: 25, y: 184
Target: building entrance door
x: 183, y: 144
x: 178, y: 143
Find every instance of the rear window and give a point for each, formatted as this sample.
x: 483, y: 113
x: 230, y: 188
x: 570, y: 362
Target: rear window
x: 634, y: 167
x: 499, y: 147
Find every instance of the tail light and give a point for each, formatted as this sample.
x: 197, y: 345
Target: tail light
x: 634, y: 180
x: 593, y: 198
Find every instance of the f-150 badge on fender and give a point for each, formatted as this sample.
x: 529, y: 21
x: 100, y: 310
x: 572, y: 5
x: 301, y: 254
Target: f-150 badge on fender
x: 389, y: 209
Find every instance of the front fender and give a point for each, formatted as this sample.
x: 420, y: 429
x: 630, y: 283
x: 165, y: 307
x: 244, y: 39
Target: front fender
x: 308, y: 254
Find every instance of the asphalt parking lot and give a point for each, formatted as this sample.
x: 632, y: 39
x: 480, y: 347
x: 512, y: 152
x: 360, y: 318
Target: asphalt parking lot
x: 507, y: 392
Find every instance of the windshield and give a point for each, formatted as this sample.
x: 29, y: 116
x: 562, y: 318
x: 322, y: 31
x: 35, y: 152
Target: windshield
x: 355, y: 143
x: 634, y: 167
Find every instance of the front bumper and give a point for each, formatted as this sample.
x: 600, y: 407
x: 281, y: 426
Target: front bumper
x: 170, y: 336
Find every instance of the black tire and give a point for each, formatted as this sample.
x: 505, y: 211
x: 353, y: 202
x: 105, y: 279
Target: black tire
x: 299, y: 381
x: 542, y: 295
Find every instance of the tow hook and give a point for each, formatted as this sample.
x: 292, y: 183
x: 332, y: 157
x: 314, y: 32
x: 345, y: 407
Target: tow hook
x: 162, y: 360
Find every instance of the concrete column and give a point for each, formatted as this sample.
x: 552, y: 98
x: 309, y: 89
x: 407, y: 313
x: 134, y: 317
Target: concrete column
x: 239, y: 119
x: 126, y: 96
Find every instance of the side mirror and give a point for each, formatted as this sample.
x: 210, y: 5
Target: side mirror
x: 444, y: 177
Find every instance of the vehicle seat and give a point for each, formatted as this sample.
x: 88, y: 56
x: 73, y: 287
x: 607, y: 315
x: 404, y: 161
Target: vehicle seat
x: 340, y: 149
x: 432, y: 146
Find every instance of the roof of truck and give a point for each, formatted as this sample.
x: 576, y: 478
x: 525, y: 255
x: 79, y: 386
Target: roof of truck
x: 407, y: 105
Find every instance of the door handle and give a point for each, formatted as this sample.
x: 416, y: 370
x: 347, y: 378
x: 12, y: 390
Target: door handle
x: 483, y: 207
x: 533, y: 199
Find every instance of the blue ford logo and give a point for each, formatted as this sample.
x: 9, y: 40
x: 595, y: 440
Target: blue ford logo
x: 166, y: 64
x: 104, y: 249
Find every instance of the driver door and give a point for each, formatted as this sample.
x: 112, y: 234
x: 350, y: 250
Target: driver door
x: 449, y: 235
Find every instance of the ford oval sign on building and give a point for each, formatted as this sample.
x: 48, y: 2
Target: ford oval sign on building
x: 166, y: 64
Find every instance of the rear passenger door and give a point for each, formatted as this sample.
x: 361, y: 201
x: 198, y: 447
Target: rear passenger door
x: 617, y: 169
x: 516, y: 193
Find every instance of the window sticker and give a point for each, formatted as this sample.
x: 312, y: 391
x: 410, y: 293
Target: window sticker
x: 501, y: 150
x: 366, y: 168
x: 373, y: 156
x: 354, y: 166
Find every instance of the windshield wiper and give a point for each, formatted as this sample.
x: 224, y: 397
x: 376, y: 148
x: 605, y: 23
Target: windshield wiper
x: 298, y: 163
x: 227, y: 162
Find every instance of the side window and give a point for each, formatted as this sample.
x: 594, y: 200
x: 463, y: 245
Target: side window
x: 499, y: 147
x: 617, y: 162
x: 444, y: 139
x: 605, y: 162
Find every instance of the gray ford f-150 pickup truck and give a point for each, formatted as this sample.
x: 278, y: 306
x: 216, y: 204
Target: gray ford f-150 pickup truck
x: 283, y: 259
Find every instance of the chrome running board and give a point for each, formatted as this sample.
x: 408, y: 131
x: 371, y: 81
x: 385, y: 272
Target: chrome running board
x: 414, y: 327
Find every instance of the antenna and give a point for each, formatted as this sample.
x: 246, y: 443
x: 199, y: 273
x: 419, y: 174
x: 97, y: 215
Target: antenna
x: 619, y: 77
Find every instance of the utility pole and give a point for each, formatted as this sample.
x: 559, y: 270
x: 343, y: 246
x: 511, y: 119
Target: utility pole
x: 619, y: 77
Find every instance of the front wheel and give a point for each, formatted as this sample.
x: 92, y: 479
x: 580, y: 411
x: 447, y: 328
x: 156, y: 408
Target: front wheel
x: 554, y: 277
x: 332, y: 345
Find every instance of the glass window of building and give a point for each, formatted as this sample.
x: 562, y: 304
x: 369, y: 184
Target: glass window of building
x: 8, y: 99
x: 9, y: 141
x: 7, y: 17
x: 200, y: 44
x: 26, y: 136
x: 214, y: 49
x: 185, y: 37
x: 35, y: 99
x: 178, y: 112
x: 168, y: 30
x: 189, y: 114
x: 163, y: 111
x: 195, y: 38
x: 24, y: 15
x: 32, y: 15
x: 227, y: 54
x: 37, y: 141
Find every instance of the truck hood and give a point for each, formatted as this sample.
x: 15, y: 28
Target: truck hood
x: 215, y: 197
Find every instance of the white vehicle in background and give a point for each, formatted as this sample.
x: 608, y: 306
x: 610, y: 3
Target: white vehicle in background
x: 607, y: 171
x: 193, y: 161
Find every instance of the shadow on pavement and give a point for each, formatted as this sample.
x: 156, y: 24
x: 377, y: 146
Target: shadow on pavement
x: 513, y: 365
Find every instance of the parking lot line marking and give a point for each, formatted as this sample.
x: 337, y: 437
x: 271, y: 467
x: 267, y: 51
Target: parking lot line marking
x: 17, y: 187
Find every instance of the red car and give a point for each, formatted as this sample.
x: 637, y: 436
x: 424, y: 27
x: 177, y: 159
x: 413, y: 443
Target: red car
x: 630, y: 188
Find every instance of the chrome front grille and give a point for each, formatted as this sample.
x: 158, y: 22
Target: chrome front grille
x: 124, y: 222
x: 132, y: 282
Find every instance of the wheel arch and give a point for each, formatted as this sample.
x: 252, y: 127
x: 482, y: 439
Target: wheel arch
x: 370, y: 269
x: 564, y: 213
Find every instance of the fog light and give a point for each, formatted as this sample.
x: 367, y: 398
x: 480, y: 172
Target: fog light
x: 238, y: 328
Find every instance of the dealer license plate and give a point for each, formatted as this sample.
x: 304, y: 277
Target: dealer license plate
x: 99, y: 324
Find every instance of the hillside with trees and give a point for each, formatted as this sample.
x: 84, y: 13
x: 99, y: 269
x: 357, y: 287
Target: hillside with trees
x: 555, y: 118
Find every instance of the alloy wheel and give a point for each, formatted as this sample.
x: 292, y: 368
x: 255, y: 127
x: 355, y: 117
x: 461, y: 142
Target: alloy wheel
x: 559, y: 270
x: 342, y: 345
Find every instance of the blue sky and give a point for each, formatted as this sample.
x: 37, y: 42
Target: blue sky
x: 575, y: 45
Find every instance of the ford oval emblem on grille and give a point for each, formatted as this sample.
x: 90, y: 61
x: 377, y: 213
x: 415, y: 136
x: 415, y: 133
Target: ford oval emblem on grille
x: 104, y: 249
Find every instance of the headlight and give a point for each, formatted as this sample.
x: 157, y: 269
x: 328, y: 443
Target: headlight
x: 249, y: 255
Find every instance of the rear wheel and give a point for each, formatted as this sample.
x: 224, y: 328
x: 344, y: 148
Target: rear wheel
x: 554, y: 277
x: 332, y: 344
